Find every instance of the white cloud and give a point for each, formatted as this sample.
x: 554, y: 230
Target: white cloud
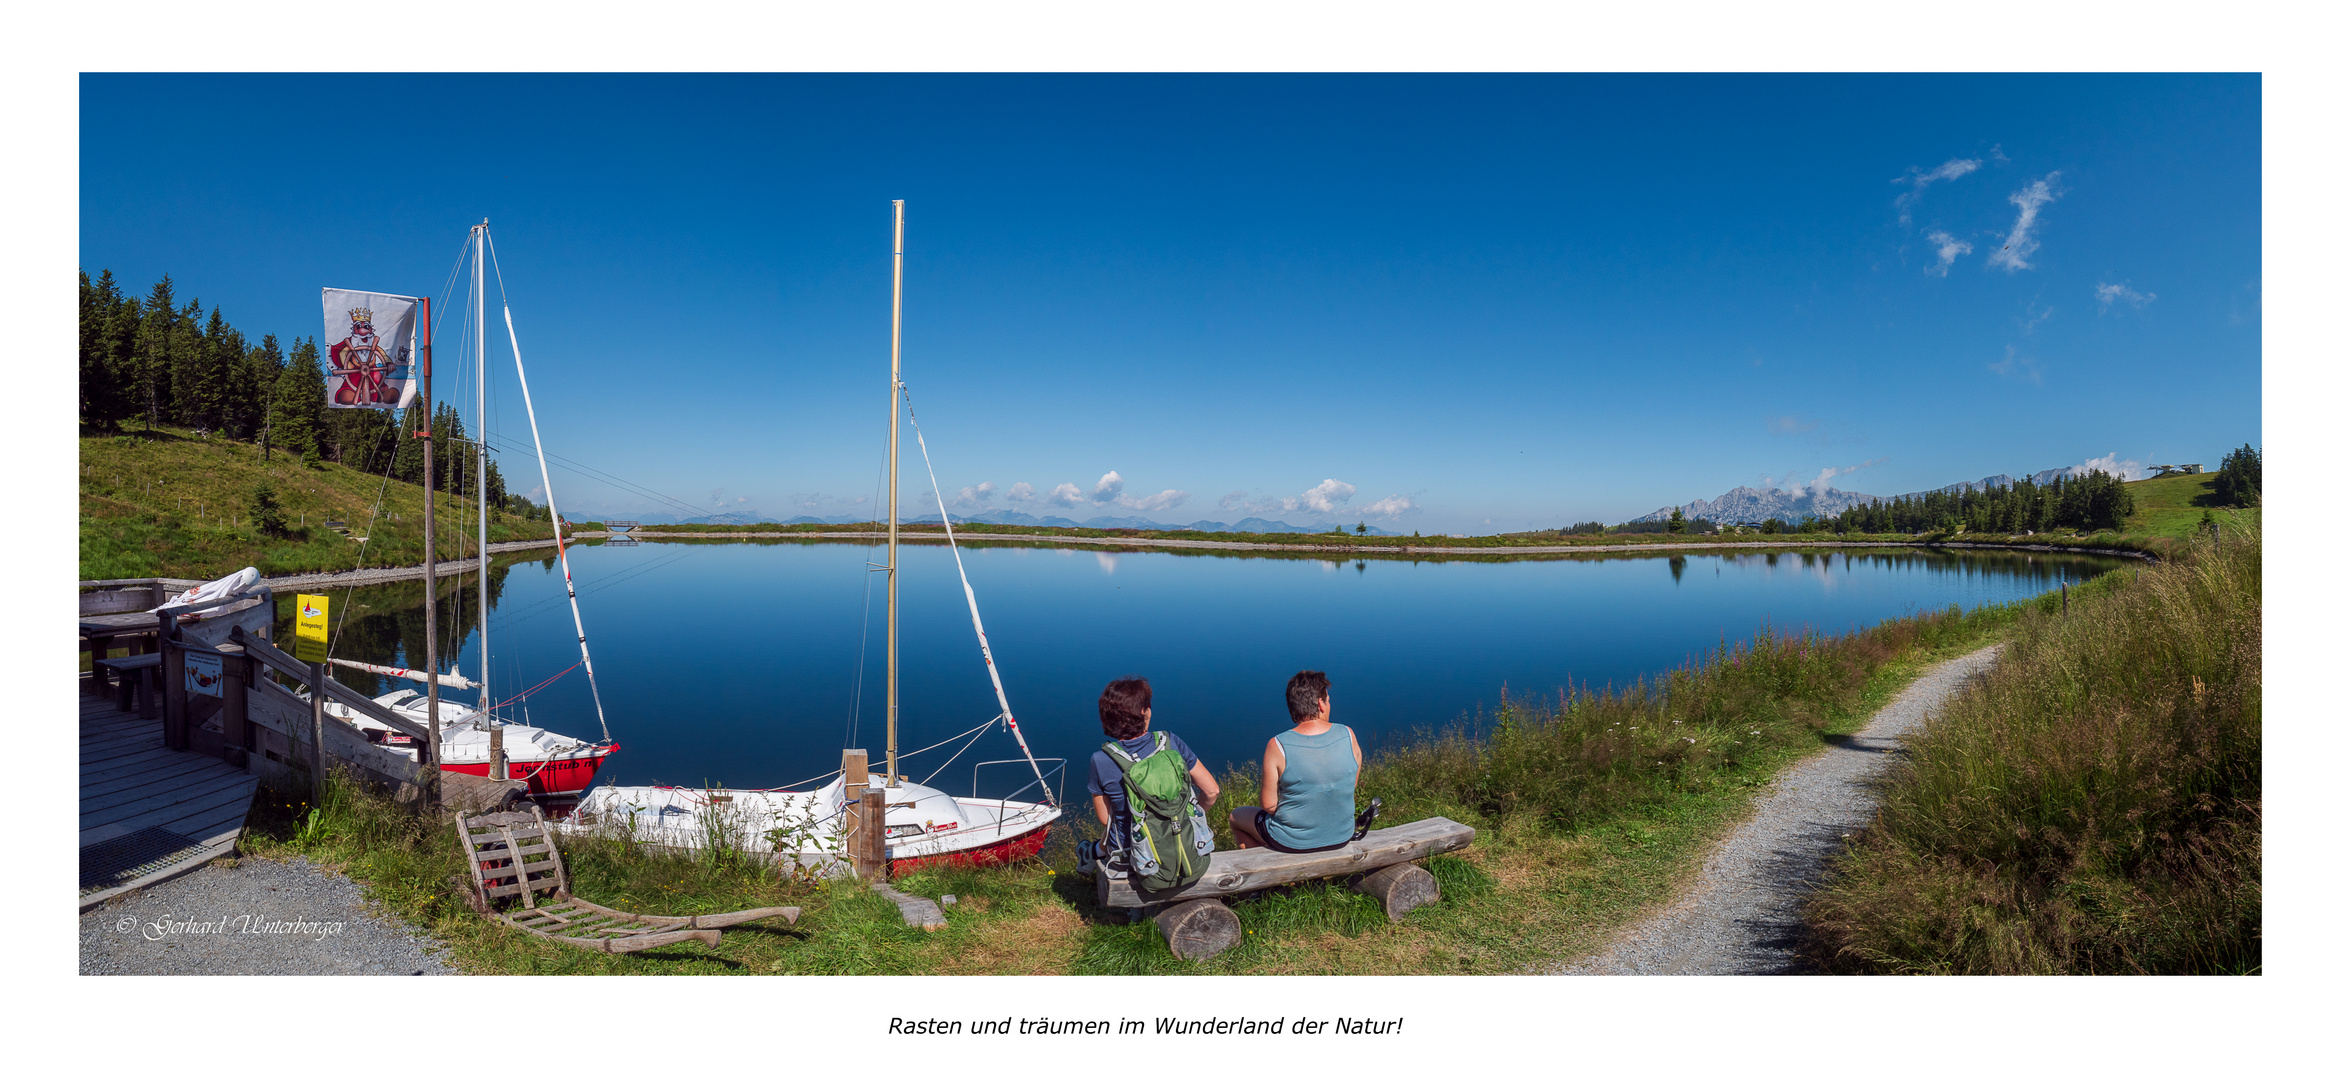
x: 1324, y: 497
x: 2113, y: 463
x: 1065, y: 495
x: 1163, y: 500
x: 1823, y: 483
x: 1232, y: 500
x: 2016, y: 253
x: 1789, y: 425
x: 1917, y: 181
x: 1021, y: 493
x: 1108, y: 487
x: 2109, y: 295
x: 974, y: 499
x: 1390, y: 507
x: 2018, y: 368
x: 1947, y: 249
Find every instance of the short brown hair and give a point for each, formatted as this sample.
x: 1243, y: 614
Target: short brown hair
x: 1121, y: 709
x: 1304, y: 693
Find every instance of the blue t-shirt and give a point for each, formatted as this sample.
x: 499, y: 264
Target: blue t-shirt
x: 1105, y: 779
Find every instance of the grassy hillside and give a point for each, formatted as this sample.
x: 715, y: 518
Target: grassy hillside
x: 174, y: 505
x: 2173, y: 505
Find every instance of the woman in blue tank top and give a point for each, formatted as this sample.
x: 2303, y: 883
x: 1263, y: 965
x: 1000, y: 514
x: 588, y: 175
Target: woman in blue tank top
x: 1308, y: 777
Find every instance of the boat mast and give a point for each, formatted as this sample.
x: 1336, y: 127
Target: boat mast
x: 893, y: 519
x: 479, y: 470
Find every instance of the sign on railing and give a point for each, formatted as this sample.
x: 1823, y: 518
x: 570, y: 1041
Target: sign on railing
x: 203, y: 673
x: 309, y: 631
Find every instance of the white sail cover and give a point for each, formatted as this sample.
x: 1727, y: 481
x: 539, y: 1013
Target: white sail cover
x: 212, y: 590
x: 369, y: 359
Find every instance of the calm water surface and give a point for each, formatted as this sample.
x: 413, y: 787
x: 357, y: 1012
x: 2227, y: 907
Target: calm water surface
x: 742, y: 663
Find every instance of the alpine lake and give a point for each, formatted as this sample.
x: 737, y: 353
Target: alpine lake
x: 751, y: 663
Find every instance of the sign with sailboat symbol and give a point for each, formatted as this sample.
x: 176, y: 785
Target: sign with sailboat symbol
x: 309, y: 628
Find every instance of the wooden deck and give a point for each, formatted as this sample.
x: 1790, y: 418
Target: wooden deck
x: 149, y: 813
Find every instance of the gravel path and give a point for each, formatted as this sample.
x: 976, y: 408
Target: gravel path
x: 1740, y: 917
x: 257, y: 917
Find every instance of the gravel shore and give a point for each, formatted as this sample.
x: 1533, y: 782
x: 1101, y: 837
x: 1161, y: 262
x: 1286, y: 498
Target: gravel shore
x: 1740, y: 917
x: 255, y: 917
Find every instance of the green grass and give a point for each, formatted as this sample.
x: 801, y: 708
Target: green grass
x: 173, y: 505
x: 2172, y: 506
x: 2093, y: 806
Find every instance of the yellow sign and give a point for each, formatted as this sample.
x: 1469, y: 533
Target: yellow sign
x: 309, y: 628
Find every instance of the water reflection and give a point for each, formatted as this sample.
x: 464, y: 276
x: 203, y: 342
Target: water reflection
x: 753, y: 663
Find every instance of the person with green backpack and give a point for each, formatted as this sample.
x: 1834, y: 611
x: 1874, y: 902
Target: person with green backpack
x: 1150, y: 792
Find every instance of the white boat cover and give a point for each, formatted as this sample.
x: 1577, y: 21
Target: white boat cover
x: 211, y: 590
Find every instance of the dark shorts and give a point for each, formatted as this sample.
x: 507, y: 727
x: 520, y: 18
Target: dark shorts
x: 1270, y: 841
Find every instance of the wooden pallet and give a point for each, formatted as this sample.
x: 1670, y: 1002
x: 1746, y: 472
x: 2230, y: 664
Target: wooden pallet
x: 513, y: 856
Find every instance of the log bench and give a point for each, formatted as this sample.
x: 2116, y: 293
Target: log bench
x: 1198, y: 923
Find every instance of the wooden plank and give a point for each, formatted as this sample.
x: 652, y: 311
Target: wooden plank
x: 114, y: 755
x: 1235, y: 872
x: 284, y: 662
x: 235, y: 795
x: 98, y: 749
x: 192, y: 794
x: 115, y: 728
x: 181, y: 767
x: 116, y: 768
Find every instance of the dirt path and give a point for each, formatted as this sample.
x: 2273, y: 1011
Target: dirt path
x: 1739, y: 917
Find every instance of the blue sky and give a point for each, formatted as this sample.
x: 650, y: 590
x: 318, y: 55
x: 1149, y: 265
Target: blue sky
x: 1445, y: 303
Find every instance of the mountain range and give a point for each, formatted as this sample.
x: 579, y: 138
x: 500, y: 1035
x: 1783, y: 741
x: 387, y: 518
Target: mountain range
x: 1746, y: 505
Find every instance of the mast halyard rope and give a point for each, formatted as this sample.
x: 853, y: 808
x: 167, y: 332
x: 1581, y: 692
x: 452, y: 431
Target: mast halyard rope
x: 981, y: 640
x: 544, y: 471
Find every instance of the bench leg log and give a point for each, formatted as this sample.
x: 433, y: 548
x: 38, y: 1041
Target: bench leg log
x: 1200, y: 929
x: 1401, y: 888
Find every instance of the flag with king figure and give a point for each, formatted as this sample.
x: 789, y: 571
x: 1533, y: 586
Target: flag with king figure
x: 369, y: 364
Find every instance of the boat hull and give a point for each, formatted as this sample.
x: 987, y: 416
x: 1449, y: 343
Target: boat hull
x: 563, y: 776
x: 1012, y: 849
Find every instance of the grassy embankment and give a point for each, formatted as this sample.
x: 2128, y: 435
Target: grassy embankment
x: 173, y: 505
x: 1589, y: 809
x: 2093, y: 806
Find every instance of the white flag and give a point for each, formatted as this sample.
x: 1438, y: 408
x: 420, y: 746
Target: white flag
x: 370, y: 363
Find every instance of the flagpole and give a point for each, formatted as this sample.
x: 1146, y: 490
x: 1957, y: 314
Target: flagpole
x: 430, y: 781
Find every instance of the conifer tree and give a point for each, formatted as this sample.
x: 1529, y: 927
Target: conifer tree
x: 297, y: 422
x: 154, y: 350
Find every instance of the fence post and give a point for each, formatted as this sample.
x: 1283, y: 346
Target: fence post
x: 174, y: 682
x: 235, y: 675
x: 317, y: 733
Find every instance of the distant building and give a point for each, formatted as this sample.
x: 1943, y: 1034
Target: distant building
x: 2173, y: 470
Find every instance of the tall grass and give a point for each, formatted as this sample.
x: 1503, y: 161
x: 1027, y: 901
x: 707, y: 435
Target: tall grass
x: 2091, y: 806
x: 1718, y: 723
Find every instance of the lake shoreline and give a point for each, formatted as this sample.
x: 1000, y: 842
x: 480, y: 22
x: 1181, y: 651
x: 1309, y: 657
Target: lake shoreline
x: 382, y: 575
x: 1409, y: 549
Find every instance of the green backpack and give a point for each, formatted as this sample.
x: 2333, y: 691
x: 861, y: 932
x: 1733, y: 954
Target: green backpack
x: 1169, y: 840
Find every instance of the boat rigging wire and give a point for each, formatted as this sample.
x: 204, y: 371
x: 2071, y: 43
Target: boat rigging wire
x: 560, y: 543
x: 982, y: 641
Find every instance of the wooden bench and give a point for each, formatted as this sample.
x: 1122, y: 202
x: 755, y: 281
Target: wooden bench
x: 1198, y: 923
x: 138, y: 673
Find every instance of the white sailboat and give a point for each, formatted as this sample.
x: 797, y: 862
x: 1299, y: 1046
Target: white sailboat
x: 474, y: 738
x: 923, y: 824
